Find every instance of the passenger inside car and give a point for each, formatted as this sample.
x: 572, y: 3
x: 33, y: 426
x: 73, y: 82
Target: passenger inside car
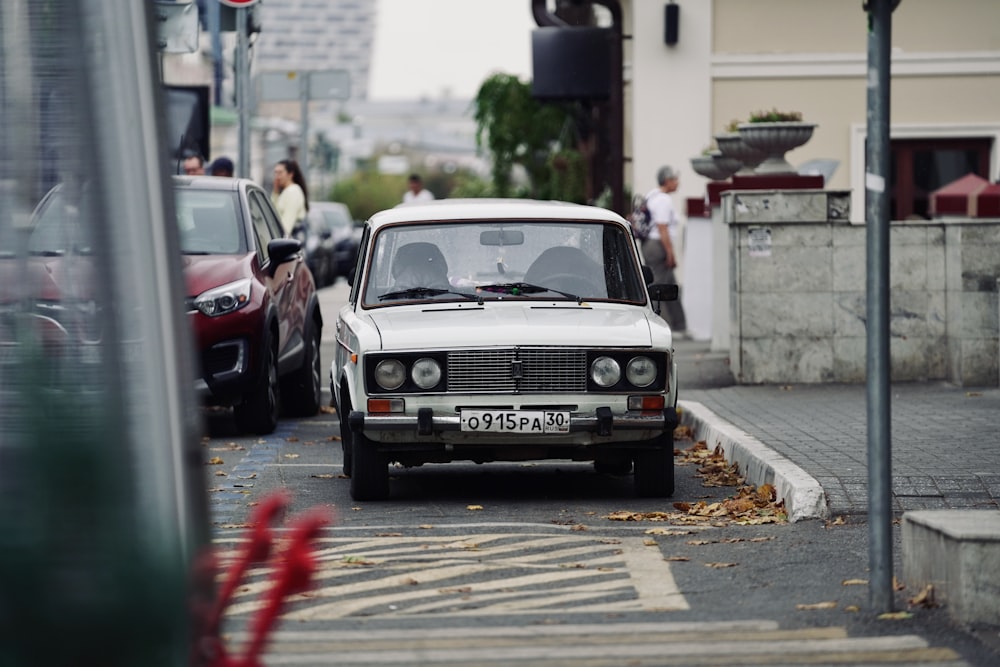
x: 420, y: 264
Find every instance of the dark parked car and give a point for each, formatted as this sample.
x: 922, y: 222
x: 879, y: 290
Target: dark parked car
x: 252, y: 303
x: 332, y: 241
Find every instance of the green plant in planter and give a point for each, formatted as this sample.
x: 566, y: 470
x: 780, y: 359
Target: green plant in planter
x: 732, y: 126
x: 775, y: 116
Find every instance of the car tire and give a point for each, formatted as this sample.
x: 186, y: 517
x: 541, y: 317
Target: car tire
x: 369, y: 470
x: 346, y: 437
x: 654, y: 469
x: 302, y: 391
x: 258, y: 412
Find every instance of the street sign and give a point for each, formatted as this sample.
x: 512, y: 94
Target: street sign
x: 239, y: 3
x: 290, y: 85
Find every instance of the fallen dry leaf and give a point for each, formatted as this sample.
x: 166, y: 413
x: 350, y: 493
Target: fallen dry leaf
x: 333, y: 438
x: 328, y: 410
x: 830, y: 604
x: 388, y: 534
x: 650, y: 543
x: 324, y: 475
x: 221, y: 473
x: 677, y: 559
x: 355, y: 509
x: 579, y: 528
x: 894, y: 616
x: 292, y: 438
x: 460, y: 589
x: 699, y: 543
x: 215, y: 461
x: 854, y: 582
x: 474, y: 508
x: 719, y: 566
x: 425, y: 526
x: 409, y: 581
x: 291, y: 456
x: 853, y: 608
x: 924, y: 599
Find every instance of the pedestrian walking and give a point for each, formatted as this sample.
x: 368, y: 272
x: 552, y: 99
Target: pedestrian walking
x: 290, y: 196
x: 661, y: 248
x: 416, y: 193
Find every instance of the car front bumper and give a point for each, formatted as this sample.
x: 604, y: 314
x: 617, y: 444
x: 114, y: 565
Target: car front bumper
x: 602, y: 422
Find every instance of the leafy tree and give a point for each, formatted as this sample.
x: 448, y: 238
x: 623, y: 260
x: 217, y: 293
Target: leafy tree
x: 367, y: 193
x: 519, y: 130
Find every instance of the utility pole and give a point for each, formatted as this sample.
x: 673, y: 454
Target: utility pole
x: 877, y: 166
x: 243, y: 91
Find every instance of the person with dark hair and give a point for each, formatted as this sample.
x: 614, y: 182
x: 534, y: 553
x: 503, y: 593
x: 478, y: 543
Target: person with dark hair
x: 290, y: 195
x: 194, y: 164
x: 415, y: 192
x: 662, y: 247
x: 222, y: 166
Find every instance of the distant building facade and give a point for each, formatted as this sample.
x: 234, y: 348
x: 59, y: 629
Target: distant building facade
x: 318, y: 35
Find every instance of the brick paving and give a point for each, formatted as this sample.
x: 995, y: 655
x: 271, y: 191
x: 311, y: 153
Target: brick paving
x: 945, y: 439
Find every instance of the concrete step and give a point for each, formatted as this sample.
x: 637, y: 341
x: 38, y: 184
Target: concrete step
x: 698, y: 367
x: 958, y: 553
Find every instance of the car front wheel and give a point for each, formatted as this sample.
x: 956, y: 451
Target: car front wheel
x: 369, y: 470
x: 258, y: 413
x: 303, y: 390
x: 654, y: 469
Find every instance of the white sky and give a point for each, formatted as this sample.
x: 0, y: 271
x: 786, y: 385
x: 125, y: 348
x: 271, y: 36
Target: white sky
x: 425, y: 48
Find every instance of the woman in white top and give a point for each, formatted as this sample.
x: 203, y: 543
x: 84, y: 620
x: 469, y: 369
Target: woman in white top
x: 290, y: 196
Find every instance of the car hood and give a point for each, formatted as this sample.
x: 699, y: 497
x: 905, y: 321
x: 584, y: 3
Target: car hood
x: 203, y: 272
x: 534, y: 323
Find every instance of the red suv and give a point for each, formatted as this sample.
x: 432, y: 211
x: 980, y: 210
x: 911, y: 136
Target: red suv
x: 251, y: 301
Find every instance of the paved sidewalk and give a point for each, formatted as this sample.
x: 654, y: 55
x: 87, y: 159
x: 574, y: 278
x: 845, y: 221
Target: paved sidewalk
x: 945, y: 439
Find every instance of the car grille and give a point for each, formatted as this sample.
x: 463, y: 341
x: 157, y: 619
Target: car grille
x: 517, y: 370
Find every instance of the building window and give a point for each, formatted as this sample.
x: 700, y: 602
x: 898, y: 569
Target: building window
x: 921, y: 166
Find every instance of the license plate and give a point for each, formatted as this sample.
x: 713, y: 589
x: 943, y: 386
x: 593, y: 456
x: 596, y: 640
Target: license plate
x: 515, y: 421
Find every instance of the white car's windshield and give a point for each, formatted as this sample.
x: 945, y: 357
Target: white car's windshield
x: 501, y: 260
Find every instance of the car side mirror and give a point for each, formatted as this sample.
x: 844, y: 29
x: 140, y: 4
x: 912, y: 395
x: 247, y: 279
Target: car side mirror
x: 280, y: 251
x: 663, y: 292
x: 647, y: 274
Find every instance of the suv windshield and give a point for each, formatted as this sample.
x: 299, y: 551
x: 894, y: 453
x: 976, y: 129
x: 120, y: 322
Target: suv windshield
x: 208, y: 222
x: 503, y: 260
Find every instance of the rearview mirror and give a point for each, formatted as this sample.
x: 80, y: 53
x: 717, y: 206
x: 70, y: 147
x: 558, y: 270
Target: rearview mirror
x: 663, y: 292
x: 500, y: 237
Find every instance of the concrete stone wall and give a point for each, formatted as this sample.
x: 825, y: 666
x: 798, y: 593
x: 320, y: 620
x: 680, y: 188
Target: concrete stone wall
x: 797, y: 270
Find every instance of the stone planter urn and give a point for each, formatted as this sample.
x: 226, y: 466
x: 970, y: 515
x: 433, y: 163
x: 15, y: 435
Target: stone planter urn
x: 775, y: 139
x: 715, y: 165
x: 731, y: 145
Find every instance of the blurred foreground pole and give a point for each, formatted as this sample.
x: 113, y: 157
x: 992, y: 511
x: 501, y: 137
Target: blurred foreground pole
x: 243, y: 91
x: 877, y: 161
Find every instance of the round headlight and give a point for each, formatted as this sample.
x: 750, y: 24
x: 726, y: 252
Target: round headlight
x: 641, y: 371
x: 390, y: 374
x: 605, y: 371
x: 426, y: 373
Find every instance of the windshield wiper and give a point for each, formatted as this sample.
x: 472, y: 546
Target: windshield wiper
x: 525, y: 288
x: 426, y: 291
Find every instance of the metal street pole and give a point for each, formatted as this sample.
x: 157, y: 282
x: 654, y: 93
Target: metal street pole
x: 304, y: 83
x: 243, y: 91
x: 879, y: 413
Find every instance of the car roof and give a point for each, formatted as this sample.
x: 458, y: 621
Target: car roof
x: 212, y: 182
x: 461, y: 210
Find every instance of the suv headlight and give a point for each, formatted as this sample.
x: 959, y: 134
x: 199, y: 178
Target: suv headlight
x: 224, y: 299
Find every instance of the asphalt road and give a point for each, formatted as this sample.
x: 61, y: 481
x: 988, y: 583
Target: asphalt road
x: 528, y: 564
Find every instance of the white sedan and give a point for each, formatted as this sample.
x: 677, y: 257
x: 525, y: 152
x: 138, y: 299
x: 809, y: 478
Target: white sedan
x: 503, y: 330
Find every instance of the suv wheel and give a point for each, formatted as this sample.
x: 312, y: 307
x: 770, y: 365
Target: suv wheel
x: 258, y: 413
x: 302, y: 390
x: 654, y: 469
x: 369, y: 470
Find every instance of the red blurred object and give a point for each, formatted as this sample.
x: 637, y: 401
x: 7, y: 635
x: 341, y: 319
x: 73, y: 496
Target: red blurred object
x: 293, y: 570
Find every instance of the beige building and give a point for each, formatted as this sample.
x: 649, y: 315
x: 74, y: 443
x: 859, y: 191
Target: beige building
x: 733, y: 57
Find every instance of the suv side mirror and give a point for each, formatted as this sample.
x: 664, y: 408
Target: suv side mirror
x: 280, y: 251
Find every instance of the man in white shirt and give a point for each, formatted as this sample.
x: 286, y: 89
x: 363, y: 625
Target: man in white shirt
x: 662, y: 247
x: 416, y: 193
